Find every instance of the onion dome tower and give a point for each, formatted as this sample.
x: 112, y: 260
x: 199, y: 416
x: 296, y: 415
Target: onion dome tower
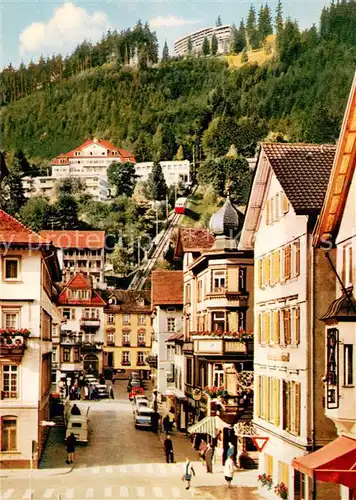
x: 225, y: 225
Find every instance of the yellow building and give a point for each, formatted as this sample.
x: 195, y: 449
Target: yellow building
x: 128, y: 331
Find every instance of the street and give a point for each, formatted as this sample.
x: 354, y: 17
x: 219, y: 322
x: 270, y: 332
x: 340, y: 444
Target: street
x: 118, y: 462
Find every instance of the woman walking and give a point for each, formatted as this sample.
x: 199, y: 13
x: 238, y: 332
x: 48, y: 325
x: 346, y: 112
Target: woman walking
x: 229, y: 470
x: 70, y: 443
x: 188, y: 471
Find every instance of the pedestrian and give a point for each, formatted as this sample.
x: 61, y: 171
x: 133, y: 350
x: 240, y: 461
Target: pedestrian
x: 75, y: 410
x: 168, y: 449
x: 155, y: 421
x: 231, y: 452
x: 112, y: 393
x: 187, y: 473
x: 90, y: 391
x: 166, y: 424
x: 209, y: 453
x: 95, y: 394
x: 202, y: 449
x: 229, y: 470
x: 70, y: 443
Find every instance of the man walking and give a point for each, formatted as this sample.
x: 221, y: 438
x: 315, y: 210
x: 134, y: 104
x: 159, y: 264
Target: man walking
x: 209, y: 458
x: 70, y: 443
x: 168, y: 449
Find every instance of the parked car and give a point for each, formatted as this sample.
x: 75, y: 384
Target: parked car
x: 102, y: 391
x: 90, y: 379
x: 133, y: 383
x: 140, y: 404
x: 78, y: 425
x: 139, y: 398
x: 142, y: 417
x: 135, y: 391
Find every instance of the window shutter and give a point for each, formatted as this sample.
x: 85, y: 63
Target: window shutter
x: 258, y: 328
x: 287, y: 261
x: 285, y: 204
x: 265, y: 397
x: 297, y: 408
x: 343, y: 271
x: 267, y: 327
x: 297, y: 257
x: 349, y: 278
x: 286, y: 405
x: 73, y: 314
x: 267, y: 269
x: 287, y: 329
x: 276, y: 328
x: 297, y: 325
x: 259, y: 273
x: 276, y: 402
x: 268, y: 212
x: 258, y: 395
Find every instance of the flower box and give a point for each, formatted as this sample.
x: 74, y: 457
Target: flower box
x: 265, y: 480
x: 281, y: 490
x: 126, y: 363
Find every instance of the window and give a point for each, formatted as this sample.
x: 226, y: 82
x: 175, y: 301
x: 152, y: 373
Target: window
x: 299, y: 486
x: 125, y: 357
x: 76, y: 357
x: 276, y: 328
x: 269, y: 464
x: 141, y: 339
x: 219, y: 321
x: 12, y: 268
x: 142, y: 319
x: 200, y: 290
x: 347, y: 265
x: 110, y: 319
x: 10, y: 319
x: 241, y: 320
x: 266, y: 270
x: 286, y: 326
x: 110, y: 337
x: 218, y: 375
x: 54, y: 354
x: 219, y: 281
x: 66, y: 354
x: 242, y: 279
x: 187, y: 294
x: 126, y: 338
x: 68, y: 313
x: 283, y: 473
x: 291, y: 407
x: 9, y: 434
x: 126, y: 319
x: 170, y: 352
x: 287, y: 262
x: 348, y: 364
x: 140, y: 358
x: 9, y: 382
x: 171, y: 324
x: 296, y: 258
x: 189, y: 373
x: 276, y: 267
x: 295, y: 326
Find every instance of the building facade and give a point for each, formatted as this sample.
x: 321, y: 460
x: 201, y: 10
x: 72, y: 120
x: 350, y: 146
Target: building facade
x: 167, y: 312
x: 292, y: 285
x: 222, y: 33
x: 80, y: 252
x: 29, y: 268
x: 82, y: 333
x: 175, y: 172
x: 128, y: 331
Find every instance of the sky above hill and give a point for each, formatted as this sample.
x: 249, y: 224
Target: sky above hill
x: 30, y: 28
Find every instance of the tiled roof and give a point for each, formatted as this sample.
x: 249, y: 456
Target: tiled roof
x: 196, y: 239
x: 12, y: 231
x: 129, y: 301
x: 175, y: 337
x: 303, y: 171
x: 80, y: 282
x: 167, y: 287
x: 75, y: 239
x: 126, y: 155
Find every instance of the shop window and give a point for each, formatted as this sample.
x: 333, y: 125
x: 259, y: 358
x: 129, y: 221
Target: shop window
x: 9, y: 434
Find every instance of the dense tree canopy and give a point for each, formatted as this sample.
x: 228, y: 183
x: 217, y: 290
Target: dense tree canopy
x: 122, y: 177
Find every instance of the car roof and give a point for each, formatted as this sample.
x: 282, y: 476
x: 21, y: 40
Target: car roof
x: 78, y: 418
x: 144, y: 409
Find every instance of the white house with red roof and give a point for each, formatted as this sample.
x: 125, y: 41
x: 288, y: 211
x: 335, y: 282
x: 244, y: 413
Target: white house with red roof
x: 82, y: 334
x: 88, y: 162
x: 80, y: 252
x: 28, y: 315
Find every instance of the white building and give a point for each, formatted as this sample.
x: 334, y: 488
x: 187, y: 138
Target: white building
x: 337, y: 227
x: 89, y: 162
x: 222, y: 33
x: 167, y: 305
x: 29, y: 268
x: 293, y: 283
x: 174, y: 172
x: 80, y: 252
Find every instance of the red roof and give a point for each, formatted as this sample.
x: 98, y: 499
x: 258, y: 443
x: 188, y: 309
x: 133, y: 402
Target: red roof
x: 123, y: 153
x: 75, y: 239
x: 80, y: 282
x: 193, y: 239
x: 12, y: 231
x: 167, y: 287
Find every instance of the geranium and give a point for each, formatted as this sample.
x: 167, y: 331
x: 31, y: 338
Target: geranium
x: 24, y: 332
x: 240, y: 336
x: 265, y: 480
x: 216, y: 392
x: 281, y: 490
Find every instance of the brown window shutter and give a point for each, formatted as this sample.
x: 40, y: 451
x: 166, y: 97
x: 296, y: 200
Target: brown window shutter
x: 258, y: 395
x: 343, y: 272
x: 287, y: 329
x: 259, y: 273
x: 287, y: 262
x: 349, y: 249
x: 285, y: 394
x: 297, y: 325
x: 276, y: 328
x: 267, y: 327
x: 258, y: 327
x: 268, y: 212
x: 297, y: 408
x: 73, y: 314
x: 267, y: 273
x: 285, y: 204
x: 297, y: 257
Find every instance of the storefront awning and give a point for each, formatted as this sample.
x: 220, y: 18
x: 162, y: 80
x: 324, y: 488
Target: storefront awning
x: 209, y: 425
x: 175, y: 392
x: 334, y: 463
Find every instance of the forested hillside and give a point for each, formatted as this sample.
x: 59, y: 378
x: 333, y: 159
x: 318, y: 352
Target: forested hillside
x: 197, y: 102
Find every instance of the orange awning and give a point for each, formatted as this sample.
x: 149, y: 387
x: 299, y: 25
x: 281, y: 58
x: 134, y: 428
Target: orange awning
x: 334, y: 463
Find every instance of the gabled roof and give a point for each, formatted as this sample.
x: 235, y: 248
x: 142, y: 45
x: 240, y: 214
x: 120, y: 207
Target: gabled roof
x: 341, y: 176
x: 126, y: 155
x: 130, y: 301
x: 193, y: 239
x: 75, y: 239
x: 80, y: 282
x: 167, y: 288
x: 12, y: 231
x: 303, y: 170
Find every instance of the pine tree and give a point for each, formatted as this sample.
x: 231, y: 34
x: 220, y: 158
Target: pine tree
x: 218, y: 22
x: 190, y: 46
x: 251, y: 28
x: 206, y: 47
x: 240, y: 38
x: 244, y: 56
x: 180, y: 153
x: 279, y: 17
x: 264, y: 23
x: 165, y: 52
x: 214, y: 45
x: 157, y: 186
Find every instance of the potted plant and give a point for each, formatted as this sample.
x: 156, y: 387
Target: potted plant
x: 281, y: 490
x: 265, y: 480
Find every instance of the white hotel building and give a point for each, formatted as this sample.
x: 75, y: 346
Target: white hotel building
x: 89, y: 162
x: 222, y: 33
x: 174, y: 171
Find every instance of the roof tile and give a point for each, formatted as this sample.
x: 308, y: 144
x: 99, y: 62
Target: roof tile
x: 167, y: 287
x: 75, y: 239
x: 12, y: 231
x: 196, y: 239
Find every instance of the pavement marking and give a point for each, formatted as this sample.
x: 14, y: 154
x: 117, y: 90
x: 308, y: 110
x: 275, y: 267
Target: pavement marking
x: 69, y: 493
x: 95, y: 470
x: 140, y: 490
x: 149, y: 468
x: 162, y: 468
x: 108, y: 491
x: 123, y: 468
x: 109, y: 469
x: 89, y: 493
x: 124, y: 491
x: 27, y: 494
x: 158, y: 493
x: 48, y: 493
x: 137, y: 468
x: 8, y: 493
x: 176, y: 493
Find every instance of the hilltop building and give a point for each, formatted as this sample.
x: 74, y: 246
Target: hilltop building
x: 28, y: 315
x: 222, y: 33
x: 293, y: 284
x: 88, y: 162
x: 175, y: 172
x: 80, y: 252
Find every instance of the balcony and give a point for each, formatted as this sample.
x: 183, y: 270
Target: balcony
x: 188, y: 347
x: 13, y: 343
x: 221, y: 296
x: 220, y: 343
x: 89, y: 347
x: 126, y: 343
x: 152, y: 361
x: 110, y: 343
x: 90, y: 323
